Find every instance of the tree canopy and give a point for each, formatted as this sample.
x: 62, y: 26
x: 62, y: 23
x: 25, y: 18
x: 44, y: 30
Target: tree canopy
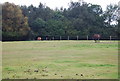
x: 80, y: 19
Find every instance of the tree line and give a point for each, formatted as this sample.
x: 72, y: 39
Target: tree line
x: 80, y: 19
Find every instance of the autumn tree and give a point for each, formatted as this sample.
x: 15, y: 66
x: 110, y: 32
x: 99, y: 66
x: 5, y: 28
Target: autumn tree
x: 0, y: 22
x: 14, y: 23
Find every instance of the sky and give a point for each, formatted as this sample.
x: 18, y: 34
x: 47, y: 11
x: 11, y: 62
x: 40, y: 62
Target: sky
x: 60, y: 3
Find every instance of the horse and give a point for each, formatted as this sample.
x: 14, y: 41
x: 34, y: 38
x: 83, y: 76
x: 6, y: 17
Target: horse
x: 39, y: 38
x: 96, y: 37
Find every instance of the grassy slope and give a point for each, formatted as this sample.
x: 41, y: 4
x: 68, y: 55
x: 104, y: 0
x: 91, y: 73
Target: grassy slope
x: 60, y: 59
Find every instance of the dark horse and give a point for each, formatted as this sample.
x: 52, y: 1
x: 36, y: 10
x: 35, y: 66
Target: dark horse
x: 96, y: 37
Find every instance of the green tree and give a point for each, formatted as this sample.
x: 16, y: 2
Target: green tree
x: 108, y: 15
x: 38, y: 25
x: 80, y: 18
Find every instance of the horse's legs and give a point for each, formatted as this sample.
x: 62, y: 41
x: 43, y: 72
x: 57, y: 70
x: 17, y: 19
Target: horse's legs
x: 95, y: 41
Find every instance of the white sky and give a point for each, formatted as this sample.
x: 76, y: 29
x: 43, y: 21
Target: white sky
x: 60, y: 3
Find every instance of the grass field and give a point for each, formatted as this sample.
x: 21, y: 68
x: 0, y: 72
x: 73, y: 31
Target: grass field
x: 60, y: 60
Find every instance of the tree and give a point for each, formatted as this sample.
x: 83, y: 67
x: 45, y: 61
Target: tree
x: 38, y: 25
x: 15, y: 25
x: 0, y: 22
x: 80, y: 18
x: 108, y: 15
x: 118, y: 28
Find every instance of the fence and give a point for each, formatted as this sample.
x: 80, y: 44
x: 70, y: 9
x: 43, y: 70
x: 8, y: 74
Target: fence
x: 75, y: 38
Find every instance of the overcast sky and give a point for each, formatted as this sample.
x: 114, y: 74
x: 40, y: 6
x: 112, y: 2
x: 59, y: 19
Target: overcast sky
x: 60, y: 3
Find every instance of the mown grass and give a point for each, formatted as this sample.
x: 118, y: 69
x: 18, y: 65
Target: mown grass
x: 60, y: 60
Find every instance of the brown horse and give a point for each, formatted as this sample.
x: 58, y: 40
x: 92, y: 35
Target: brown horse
x: 96, y: 37
x: 39, y: 38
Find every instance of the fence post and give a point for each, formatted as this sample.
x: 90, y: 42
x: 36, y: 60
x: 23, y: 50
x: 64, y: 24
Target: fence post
x: 77, y: 37
x: 68, y: 37
x: 87, y: 37
x: 110, y: 37
x: 60, y: 37
x: 53, y: 38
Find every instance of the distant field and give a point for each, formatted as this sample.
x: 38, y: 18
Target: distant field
x: 60, y: 60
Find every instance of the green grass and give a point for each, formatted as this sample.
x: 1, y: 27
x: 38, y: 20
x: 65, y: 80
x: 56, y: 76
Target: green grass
x: 60, y: 60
